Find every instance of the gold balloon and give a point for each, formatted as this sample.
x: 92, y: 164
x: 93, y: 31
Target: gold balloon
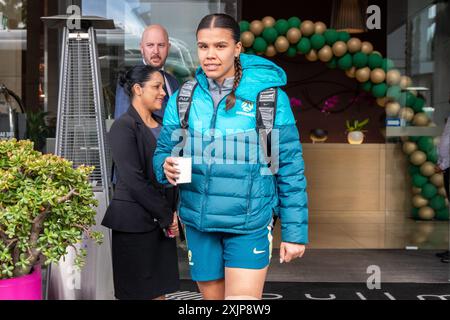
x: 377, y: 75
x: 312, y: 56
x: 381, y: 102
x: 404, y: 139
x: 427, y: 169
x: 308, y: 27
x: 363, y: 75
x: 351, y: 72
x: 294, y: 35
x: 418, y: 158
x: 325, y: 54
x: 268, y: 21
x: 366, y: 47
x: 282, y: 44
x: 339, y: 48
x: 392, y: 109
x: 419, y: 201
x: 437, y: 140
x: 437, y: 179
x: 405, y: 82
x: 270, y: 51
x: 320, y: 27
x: 421, y: 120
x: 416, y: 191
x: 409, y: 147
x: 257, y: 27
x: 406, y: 114
x: 442, y: 192
x: 354, y: 45
x: 247, y: 39
x: 426, y: 213
x: 393, y: 77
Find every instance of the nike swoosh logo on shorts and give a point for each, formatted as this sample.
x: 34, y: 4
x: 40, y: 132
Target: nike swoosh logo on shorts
x: 258, y: 252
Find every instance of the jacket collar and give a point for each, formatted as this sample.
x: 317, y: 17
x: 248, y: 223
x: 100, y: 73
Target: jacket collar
x: 135, y: 115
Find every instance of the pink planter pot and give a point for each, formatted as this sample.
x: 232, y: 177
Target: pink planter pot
x: 28, y: 287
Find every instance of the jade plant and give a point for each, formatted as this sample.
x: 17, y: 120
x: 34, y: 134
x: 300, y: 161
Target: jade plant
x: 46, y: 206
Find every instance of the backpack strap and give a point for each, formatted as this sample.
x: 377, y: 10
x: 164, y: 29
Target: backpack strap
x: 184, y: 101
x: 265, y: 118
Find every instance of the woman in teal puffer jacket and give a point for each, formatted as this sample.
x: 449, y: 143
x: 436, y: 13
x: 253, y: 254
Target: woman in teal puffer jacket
x: 228, y: 207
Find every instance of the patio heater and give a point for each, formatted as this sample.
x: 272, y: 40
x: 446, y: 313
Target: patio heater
x: 81, y: 138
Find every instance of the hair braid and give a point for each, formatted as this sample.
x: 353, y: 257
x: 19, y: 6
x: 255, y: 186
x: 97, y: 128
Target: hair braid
x: 231, y: 99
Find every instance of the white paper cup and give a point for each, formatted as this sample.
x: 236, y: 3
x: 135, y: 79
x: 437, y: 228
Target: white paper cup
x: 185, y: 167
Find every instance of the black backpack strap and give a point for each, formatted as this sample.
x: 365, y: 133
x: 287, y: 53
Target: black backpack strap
x: 184, y: 101
x: 266, y: 105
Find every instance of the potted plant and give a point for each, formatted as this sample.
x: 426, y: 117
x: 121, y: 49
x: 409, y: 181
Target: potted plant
x: 355, y: 132
x: 46, y: 205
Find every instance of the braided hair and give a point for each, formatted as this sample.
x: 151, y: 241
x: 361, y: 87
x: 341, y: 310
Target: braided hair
x: 221, y: 20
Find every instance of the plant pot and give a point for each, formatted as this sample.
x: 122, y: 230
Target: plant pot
x: 27, y: 287
x: 355, y: 137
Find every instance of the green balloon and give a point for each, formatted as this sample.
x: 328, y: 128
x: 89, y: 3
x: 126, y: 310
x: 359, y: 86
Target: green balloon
x: 375, y: 61
x: 250, y: 51
x: 291, y: 52
x: 367, y: 86
x: 394, y: 92
x: 415, y: 213
x: 260, y: 45
x: 304, y: 46
x: 332, y: 64
x: 294, y: 22
x: 344, y: 36
x: 331, y: 36
x: 270, y: 35
x: 360, y: 60
x: 379, y: 90
x: 244, y: 25
x: 419, y: 180
x: 419, y: 104
x: 432, y: 155
x: 438, y: 202
x: 388, y: 64
x: 402, y: 98
x: 282, y: 26
x: 425, y: 144
x: 413, y: 170
x: 410, y: 99
x: 345, y: 62
x: 429, y: 191
x: 318, y: 41
x: 414, y: 138
x: 442, y: 214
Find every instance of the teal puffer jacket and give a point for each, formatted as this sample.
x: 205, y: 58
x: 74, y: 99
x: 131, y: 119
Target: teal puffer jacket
x: 231, y: 190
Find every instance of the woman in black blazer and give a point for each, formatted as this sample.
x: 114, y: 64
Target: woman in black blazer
x: 142, y: 212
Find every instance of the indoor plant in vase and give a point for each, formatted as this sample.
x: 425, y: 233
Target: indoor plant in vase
x: 46, y: 205
x: 355, y: 132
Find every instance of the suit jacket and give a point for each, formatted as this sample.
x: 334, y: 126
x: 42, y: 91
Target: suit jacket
x: 123, y: 100
x: 140, y: 203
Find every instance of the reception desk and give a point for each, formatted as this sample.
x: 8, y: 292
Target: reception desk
x: 359, y: 196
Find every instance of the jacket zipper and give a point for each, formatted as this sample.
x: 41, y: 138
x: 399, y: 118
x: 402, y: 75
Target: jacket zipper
x: 212, y: 126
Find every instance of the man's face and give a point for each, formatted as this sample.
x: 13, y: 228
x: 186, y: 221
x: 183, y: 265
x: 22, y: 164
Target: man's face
x: 155, y: 47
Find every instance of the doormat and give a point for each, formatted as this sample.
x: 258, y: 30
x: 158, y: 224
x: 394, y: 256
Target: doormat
x: 334, y: 291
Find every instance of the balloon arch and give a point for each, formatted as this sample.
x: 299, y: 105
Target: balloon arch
x: 376, y: 75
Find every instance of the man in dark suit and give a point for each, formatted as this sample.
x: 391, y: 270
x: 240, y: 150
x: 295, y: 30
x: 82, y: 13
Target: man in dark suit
x: 155, y: 48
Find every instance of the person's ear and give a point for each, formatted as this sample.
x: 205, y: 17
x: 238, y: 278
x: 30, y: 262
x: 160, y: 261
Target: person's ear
x: 137, y: 89
x: 238, y: 49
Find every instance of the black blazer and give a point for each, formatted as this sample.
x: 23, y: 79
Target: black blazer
x: 140, y: 203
